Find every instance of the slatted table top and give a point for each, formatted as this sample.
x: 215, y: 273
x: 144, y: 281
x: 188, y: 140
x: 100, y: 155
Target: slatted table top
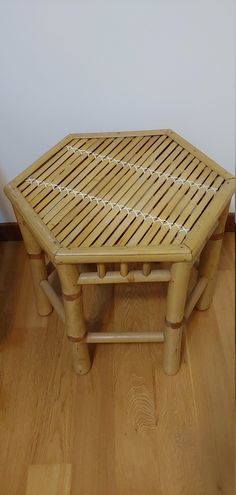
x: 122, y: 193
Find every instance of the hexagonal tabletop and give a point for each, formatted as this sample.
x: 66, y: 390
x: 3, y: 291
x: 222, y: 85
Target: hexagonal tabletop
x: 120, y: 196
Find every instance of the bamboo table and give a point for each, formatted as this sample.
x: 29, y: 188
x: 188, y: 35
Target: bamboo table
x: 145, y: 197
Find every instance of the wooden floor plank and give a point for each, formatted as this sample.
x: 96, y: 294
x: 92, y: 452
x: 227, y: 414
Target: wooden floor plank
x: 213, y: 379
x: 125, y: 428
x: 49, y: 479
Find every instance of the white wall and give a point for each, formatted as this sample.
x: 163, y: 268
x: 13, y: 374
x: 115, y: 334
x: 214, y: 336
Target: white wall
x: 97, y: 65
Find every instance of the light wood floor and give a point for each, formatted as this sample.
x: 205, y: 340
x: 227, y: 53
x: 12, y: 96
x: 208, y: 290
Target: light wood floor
x: 125, y: 428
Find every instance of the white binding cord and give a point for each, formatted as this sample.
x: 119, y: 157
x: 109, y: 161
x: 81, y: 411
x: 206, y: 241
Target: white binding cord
x: 144, y: 170
x: 105, y: 202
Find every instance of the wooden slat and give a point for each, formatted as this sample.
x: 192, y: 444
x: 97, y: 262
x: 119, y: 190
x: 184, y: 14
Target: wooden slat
x: 75, y: 222
x: 48, y: 167
x: 176, y: 199
x: 200, y: 155
x: 65, y: 175
x: 70, y: 206
x: 184, y: 202
x: 128, y: 194
x: 163, y: 196
x: 91, y: 209
x: 83, y: 175
x: 110, y: 170
x: 38, y: 163
x: 117, y: 227
x: 90, y: 163
x: 197, y: 206
x: 104, y: 210
x: 51, y: 170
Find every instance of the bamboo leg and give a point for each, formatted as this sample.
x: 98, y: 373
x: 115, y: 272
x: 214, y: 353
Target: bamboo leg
x: 75, y: 325
x: 176, y: 298
x: 209, y: 262
x: 37, y: 266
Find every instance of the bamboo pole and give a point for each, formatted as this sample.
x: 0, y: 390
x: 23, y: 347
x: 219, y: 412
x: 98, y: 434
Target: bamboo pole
x: 114, y: 277
x: 117, y: 254
x: 195, y: 296
x: 80, y: 356
x: 120, y: 133
x: 53, y: 298
x: 146, y: 268
x: 50, y: 268
x: 124, y: 269
x: 123, y: 337
x: 209, y: 262
x: 37, y: 267
x: 101, y: 269
x: 75, y: 325
x: 176, y: 297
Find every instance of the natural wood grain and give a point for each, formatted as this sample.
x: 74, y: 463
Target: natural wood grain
x: 35, y: 379
x: 49, y: 479
x: 214, y: 368
x: 125, y: 428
